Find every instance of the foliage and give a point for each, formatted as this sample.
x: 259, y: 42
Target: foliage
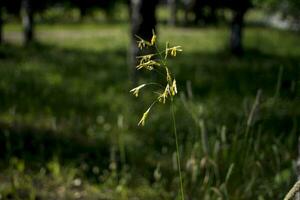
x: 85, y: 6
x: 289, y: 8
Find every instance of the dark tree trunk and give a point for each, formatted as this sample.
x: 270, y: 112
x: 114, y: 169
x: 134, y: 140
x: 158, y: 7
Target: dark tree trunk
x: 143, y: 21
x: 236, y: 37
x: 173, y: 12
x: 83, y: 12
x: 188, y: 7
x: 198, y: 8
x: 28, y: 21
x: 1, y: 24
x: 83, y: 9
x: 212, y: 16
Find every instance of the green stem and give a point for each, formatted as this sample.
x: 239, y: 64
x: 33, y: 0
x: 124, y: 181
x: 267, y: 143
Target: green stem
x: 162, y: 59
x: 177, y: 150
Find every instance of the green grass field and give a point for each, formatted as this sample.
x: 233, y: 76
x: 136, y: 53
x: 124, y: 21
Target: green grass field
x: 69, y: 125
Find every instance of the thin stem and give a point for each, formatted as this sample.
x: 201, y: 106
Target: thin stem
x: 153, y: 103
x: 162, y: 59
x: 177, y: 150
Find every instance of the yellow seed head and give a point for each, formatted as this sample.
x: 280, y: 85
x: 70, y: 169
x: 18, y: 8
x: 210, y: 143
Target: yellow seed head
x: 151, y: 62
x: 162, y: 97
x: 149, y: 65
x: 142, y: 121
x: 141, y: 44
x: 153, y: 39
x: 136, y: 90
x: 174, y: 88
x: 169, y: 79
x: 174, y: 50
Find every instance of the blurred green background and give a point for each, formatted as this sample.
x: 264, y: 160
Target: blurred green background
x: 68, y: 124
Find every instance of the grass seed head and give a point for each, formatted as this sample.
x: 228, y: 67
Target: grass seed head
x: 159, y: 64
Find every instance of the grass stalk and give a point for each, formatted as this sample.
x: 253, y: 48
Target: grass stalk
x: 177, y: 151
x: 279, y: 80
x: 291, y: 194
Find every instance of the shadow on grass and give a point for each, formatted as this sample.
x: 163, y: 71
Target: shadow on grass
x: 42, y: 83
x: 38, y: 146
x: 221, y: 73
x: 73, y: 83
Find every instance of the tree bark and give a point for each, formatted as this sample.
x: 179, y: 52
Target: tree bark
x: 28, y: 21
x: 173, y: 12
x: 236, y: 37
x: 143, y: 21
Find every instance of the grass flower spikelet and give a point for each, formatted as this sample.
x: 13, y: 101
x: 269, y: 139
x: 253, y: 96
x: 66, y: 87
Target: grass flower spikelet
x: 136, y: 90
x: 145, y: 115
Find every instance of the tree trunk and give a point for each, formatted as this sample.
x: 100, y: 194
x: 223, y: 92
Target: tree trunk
x: 198, y: 8
x: 143, y: 21
x: 28, y: 21
x: 173, y: 12
x: 188, y: 7
x: 83, y: 12
x: 236, y: 37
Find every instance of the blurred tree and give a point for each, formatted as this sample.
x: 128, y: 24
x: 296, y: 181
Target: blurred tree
x: 173, y: 12
x: 143, y: 21
x: 85, y: 6
x: 188, y: 5
x: 12, y: 6
x: 205, y: 12
x: 28, y: 20
x: 288, y: 8
x: 236, y: 36
x: 28, y: 8
x: 239, y: 9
